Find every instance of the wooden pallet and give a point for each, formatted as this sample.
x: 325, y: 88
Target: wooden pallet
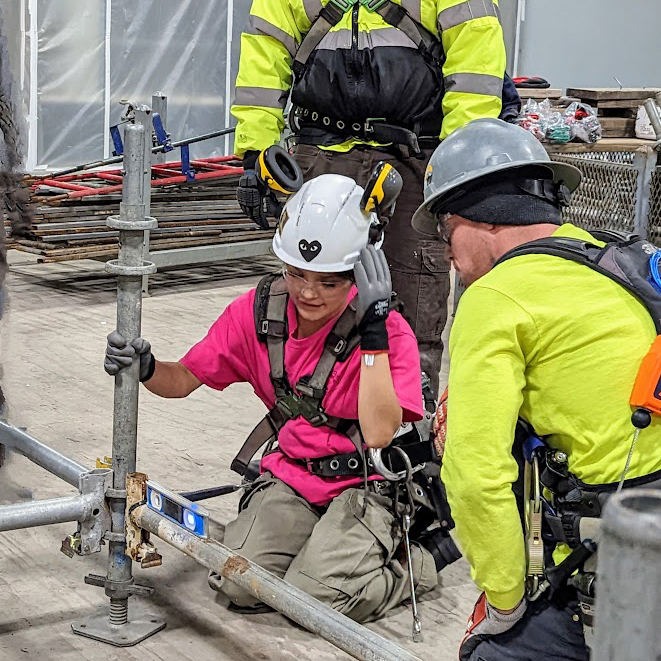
x: 539, y: 94
x: 612, y: 94
x: 613, y: 103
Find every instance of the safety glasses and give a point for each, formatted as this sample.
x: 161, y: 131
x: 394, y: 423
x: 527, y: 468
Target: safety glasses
x: 444, y: 231
x: 322, y: 288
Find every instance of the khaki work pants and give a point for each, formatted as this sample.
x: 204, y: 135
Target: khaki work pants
x: 420, y: 272
x: 347, y: 562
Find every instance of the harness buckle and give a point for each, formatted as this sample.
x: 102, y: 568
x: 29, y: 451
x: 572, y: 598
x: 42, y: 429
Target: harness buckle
x: 367, y: 126
x: 340, y: 347
x: 373, y: 5
x: 318, y: 420
x: 343, y: 5
x: 289, y: 406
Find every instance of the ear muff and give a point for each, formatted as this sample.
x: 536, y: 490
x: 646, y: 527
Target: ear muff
x: 382, y: 190
x: 279, y: 170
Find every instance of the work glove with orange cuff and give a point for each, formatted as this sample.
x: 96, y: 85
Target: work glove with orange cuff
x: 486, y: 621
x: 374, y: 290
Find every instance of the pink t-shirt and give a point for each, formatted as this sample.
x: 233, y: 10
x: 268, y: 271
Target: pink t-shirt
x: 232, y: 353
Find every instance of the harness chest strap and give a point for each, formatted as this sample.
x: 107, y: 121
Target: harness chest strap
x: 392, y: 13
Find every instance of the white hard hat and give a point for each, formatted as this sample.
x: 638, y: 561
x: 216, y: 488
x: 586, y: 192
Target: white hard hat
x: 322, y: 227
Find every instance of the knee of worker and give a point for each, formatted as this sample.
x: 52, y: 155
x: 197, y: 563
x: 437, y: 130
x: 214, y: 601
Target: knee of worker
x: 303, y: 578
x: 238, y: 596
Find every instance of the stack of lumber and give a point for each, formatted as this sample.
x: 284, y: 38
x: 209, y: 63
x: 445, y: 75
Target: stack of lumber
x: 616, y: 108
x: 188, y: 215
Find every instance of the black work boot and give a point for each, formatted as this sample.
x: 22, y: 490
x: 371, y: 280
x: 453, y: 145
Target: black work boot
x: 440, y: 545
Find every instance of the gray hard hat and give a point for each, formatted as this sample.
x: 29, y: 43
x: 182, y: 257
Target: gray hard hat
x: 482, y: 147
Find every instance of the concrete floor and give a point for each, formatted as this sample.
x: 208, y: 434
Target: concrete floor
x: 53, y: 339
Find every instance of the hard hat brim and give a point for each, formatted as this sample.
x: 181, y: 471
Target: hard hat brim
x: 426, y: 222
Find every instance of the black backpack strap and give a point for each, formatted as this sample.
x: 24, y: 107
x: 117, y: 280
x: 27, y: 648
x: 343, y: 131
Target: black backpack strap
x: 264, y: 433
x: 262, y: 292
x: 625, y: 262
x: 274, y: 328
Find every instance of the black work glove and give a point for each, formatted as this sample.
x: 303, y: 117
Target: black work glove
x: 119, y: 355
x: 374, y: 289
x: 252, y: 192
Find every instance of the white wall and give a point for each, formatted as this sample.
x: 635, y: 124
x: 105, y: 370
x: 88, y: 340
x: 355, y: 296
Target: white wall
x: 587, y: 43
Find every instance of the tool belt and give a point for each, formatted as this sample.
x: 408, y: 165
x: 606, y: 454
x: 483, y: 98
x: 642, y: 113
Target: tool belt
x: 311, y: 126
x: 351, y: 463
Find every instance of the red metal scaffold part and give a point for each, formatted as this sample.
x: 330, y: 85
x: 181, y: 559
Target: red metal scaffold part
x: 102, y: 182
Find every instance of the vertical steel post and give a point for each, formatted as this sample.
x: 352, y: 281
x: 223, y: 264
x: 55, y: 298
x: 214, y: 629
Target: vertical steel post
x: 143, y: 117
x: 159, y: 104
x: 644, y: 161
x: 130, y: 269
x: 628, y: 595
x: 129, y: 312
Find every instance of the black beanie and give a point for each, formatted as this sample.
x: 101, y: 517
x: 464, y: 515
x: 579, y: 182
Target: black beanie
x: 504, y: 203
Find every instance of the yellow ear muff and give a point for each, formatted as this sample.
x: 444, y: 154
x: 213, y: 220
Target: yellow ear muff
x: 382, y: 189
x: 279, y: 170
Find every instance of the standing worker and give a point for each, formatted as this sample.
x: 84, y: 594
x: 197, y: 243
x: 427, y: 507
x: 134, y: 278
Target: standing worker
x: 548, y: 339
x: 372, y: 80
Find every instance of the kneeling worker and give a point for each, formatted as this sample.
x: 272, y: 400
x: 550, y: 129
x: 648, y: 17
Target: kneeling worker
x: 539, y: 336
x: 314, y: 517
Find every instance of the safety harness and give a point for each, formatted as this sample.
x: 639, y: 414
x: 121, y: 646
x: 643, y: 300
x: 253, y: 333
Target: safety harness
x: 392, y: 13
x: 571, y: 516
x: 306, y: 399
x: 395, y: 15
x: 420, y: 135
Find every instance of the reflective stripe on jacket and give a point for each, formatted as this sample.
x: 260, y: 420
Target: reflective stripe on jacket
x: 470, y: 31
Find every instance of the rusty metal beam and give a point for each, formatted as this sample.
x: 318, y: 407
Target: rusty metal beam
x: 349, y: 636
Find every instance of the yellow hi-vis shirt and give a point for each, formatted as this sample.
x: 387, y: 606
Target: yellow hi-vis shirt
x: 470, y: 31
x: 560, y: 345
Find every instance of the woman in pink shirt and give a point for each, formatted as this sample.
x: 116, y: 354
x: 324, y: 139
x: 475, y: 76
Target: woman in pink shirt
x: 322, y: 532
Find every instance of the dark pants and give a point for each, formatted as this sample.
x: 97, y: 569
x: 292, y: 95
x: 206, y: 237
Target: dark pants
x: 547, y: 632
x: 420, y: 273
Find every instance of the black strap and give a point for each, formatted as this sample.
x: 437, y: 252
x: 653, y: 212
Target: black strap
x: 266, y: 431
x: 428, y: 44
x: 328, y: 18
x: 366, y: 129
x: 343, y: 334
x: 596, y: 258
x: 351, y: 463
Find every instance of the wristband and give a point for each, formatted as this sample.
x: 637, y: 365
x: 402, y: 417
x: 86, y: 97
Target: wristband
x: 150, y: 369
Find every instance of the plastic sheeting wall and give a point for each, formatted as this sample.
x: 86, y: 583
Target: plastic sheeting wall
x: 91, y: 54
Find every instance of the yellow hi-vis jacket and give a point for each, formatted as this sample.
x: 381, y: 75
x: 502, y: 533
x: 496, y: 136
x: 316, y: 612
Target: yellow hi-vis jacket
x: 470, y: 32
